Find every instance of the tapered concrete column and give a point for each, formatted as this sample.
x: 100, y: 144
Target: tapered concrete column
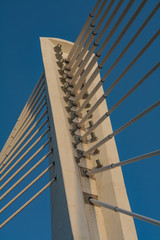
x: 71, y: 217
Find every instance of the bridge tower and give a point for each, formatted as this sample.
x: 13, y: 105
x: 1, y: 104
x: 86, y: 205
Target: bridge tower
x: 68, y: 111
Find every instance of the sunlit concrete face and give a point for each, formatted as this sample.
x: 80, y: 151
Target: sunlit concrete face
x: 71, y: 216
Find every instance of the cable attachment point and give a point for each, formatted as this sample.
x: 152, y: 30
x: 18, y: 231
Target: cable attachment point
x: 88, y: 105
x: 64, y: 76
x: 72, y: 116
x: 90, y: 124
x: 83, y: 171
x: 99, y: 165
x: 110, y: 136
x: 64, y: 89
x: 93, y: 137
x: 88, y: 196
x: 68, y: 95
x: 63, y: 68
x: 59, y: 56
x: 60, y: 53
x: 90, y: 115
x: 61, y: 60
x: 80, y: 155
x: 70, y: 105
x: 75, y: 127
x: 59, y: 46
x: 96, y: 152
x: 63, y: 81
x: 77, y: 141
x: 85, y: 95
x: 66, y: 86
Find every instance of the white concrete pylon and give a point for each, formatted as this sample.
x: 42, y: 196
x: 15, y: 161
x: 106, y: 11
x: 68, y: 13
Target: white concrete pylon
x: 71, y: 216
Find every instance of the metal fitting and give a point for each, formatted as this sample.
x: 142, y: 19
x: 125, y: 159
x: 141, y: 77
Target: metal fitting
x: 90, y: 124
x: 68, y: 95
x: 93, y: 137
x: 77, y: 140
x: 59, y: 57
x: 83, y: 171
x: 99, y: 165
x: 72, y: 117
x: 63, y: 81
x: 80, y: 153
x: 88, y: 196
x: 85, y: 95
x: 61, y: 60
x: 96, y: 152
x: 110, y: 136
x: 75, y: 144
x: 64, y: 76
x: 75, y: 127
x: 70, y: 105
x: 63, y: 69
x: 64, y: 89
x: 88, y: 105
x: 66, y: 85
x: 66, y: 98
x: 60, y: 53
x: 59, y: 46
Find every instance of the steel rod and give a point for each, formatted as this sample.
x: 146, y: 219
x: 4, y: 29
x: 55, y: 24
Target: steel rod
x: 27, y: 203
x: 25, y: 164
x: 90, y: 17
x: 16, y: 140
x: 89, y: 41
x: 101, y: 99
x: 117, y: 209
x: 84, y: 39
x: 117, y: 41
x: 119, y: 102
x: 26, y: 118
x: 89, y: 53
x: 26, y: 188
x: 100, y: 143
x: 33, y: 92
x: 24, y: 154
x: 98, y: 54
x: 31, y: 108
x: 35, y: 88
x: 23, y: 147
x: 25, y: 175
x: 128, y: 161
x: 32, y: 114
x: 23, y: 139
x: 118, y: 59
x: 21, y: 130
x: 19, y: 119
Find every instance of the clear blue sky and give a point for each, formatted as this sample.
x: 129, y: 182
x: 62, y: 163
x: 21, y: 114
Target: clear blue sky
x: 21, y: 24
